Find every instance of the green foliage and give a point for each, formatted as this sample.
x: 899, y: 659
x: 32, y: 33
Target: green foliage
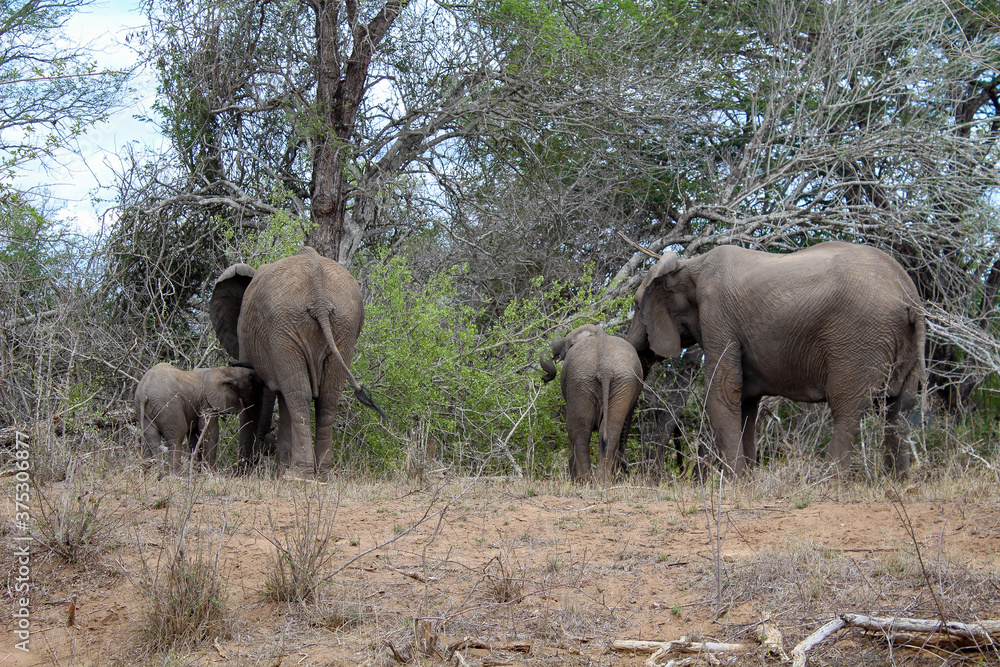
x: 541, y: 18
x: 463, y: 387
x: 554, y: 32
x: 282, y: 235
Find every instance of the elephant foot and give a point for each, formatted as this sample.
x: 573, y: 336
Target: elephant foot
x: 298, y: 471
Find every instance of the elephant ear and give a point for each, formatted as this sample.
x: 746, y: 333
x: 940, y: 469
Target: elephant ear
x: 224, y: 306
x: 221, y: 391
x: 654, y: 313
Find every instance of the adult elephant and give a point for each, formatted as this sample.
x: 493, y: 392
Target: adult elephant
x: 295, y: 321
x: 835, y: 322
x: 172, y: 404
x: 601, y: 383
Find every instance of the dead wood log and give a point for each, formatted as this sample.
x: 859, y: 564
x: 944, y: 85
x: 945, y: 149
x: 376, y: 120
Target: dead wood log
x: 981, y: 632
x: 682, y: 645
x: 771, y: 642
x: 799, y: 657
x: 978, y: 634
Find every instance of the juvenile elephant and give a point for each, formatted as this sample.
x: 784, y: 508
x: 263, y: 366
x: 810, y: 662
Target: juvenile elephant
x: 171, y: 404
x: 601, y: 384
x: 295, y: 321
x: 835, y: 322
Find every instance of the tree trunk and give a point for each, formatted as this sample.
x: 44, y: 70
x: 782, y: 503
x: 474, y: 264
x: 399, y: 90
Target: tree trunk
x: 340, y: 88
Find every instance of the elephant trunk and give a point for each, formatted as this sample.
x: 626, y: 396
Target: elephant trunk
x: 547, y: 361
x: 637, y: 336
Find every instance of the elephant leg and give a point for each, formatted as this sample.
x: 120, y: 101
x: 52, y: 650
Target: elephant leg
x: 579, y: 452
x: 293, y: 430
x: 326, y: 408
x: 897, y: 431
x: 210, y: 441
x: 623, y: 395
x: 723, y: 402
x: 749, y: 409
x: 177, y: 454
x: 265, y: 417
x: 150, y: 439
x: 250, y: 423
x: 582, y: 410
x: 847, y: 413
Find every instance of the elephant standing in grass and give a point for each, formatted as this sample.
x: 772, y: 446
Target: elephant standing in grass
x: 171, y: 405
x: 295, y: 321
x: 834, y: 322
x: 601, y: 384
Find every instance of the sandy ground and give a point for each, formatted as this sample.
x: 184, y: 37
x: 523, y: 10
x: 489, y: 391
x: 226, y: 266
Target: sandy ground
x: 515, y: 573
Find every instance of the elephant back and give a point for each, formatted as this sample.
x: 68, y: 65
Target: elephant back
x: 282, y: 311
x: 620, y: 354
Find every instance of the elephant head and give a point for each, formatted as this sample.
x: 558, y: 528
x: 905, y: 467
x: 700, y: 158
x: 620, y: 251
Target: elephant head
x: 559, y: 349
x: 666, y: 311
x: 230, y: 388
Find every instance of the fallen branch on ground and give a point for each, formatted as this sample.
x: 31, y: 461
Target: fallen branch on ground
x: 770, y: 640
x: 682, y: 645
x: 978, y: 633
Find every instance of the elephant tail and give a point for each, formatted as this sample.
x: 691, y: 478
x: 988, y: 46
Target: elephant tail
x: 602, y: 429
x: 919, y: 323
x: 363, y: 396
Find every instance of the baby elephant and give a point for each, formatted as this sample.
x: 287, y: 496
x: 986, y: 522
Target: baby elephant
x: 601, y: 384
x: 171, y: 404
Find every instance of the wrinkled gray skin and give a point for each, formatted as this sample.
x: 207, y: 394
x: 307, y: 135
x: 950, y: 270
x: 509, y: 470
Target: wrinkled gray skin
x: 295, y: 321
x: 835, y: 322
x: 601, y: 383
x: 171, y: 405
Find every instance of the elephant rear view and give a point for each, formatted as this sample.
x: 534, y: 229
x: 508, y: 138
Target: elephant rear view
x: 295, y: 321
x: 601, y: 384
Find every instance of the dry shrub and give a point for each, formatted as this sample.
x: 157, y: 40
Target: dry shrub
x: 504, y: 577
x: 342, y: 612
x: 574, y: 615
x: 186, y: 597
x: 800, y: 578
x: 77, y: 522
x: 302, y: 551
x: 187, y: 603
